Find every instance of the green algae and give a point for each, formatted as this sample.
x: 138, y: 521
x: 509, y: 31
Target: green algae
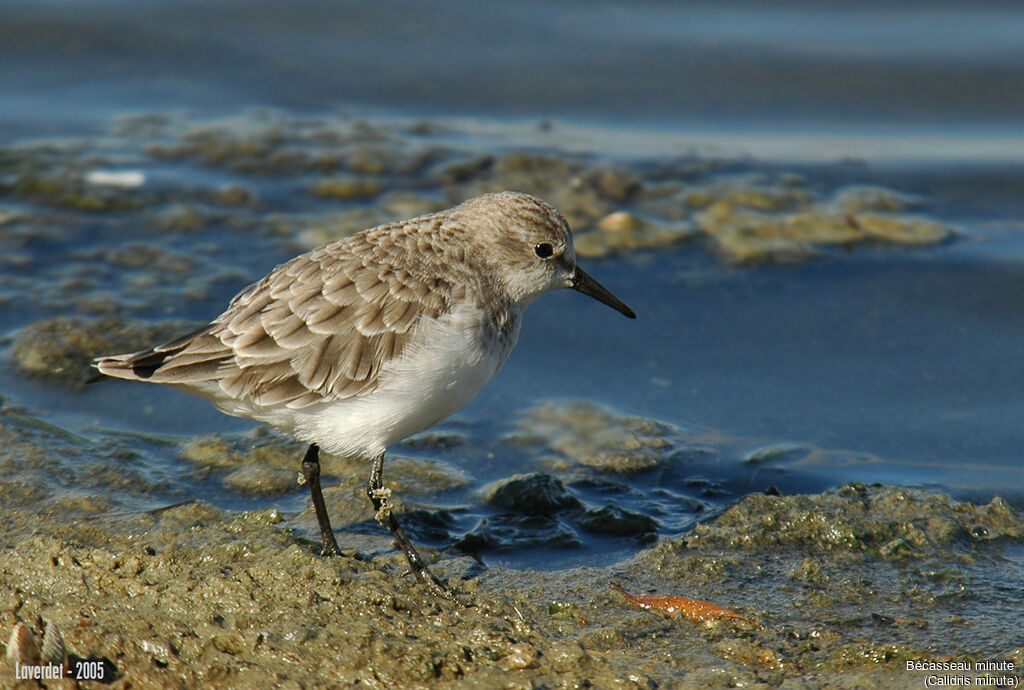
x: 346, y: 188
x: 596, y: 437
x: 73, y: 194
x: 380, y: 172
x: 744, y: 232
x: 61, y: 348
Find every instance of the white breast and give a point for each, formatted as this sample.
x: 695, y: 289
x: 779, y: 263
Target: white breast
x: 447, y: 362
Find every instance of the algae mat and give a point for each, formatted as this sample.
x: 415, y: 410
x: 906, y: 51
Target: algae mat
x: 843, y: 589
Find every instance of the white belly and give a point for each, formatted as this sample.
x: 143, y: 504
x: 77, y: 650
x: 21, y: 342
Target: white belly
x: 445, y: 365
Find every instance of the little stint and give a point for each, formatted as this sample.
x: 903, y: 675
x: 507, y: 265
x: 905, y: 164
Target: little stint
x: 366, y: 340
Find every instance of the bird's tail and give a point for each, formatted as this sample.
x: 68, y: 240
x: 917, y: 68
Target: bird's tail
x: 142, y: 365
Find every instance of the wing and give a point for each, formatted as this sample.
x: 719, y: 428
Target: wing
x: 319, y: 327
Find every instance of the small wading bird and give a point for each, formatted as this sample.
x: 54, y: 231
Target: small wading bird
x: 364, y: 341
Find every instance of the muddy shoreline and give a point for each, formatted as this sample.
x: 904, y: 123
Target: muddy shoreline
x: 844, y: 589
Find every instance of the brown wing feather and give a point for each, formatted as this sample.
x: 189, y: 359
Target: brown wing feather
x: 317, y: 328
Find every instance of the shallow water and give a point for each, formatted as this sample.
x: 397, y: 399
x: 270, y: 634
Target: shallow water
x: 877, y: 364
x: 904, y: 66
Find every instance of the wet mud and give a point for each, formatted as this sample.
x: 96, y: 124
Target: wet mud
x: 836, y: 589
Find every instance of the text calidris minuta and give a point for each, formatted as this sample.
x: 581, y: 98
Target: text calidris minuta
x: 364, y: 341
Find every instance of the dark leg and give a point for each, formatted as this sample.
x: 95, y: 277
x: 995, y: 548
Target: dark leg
x: 311, y: 471
x: 379, y: 495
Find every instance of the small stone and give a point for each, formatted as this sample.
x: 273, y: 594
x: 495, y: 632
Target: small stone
x: 521, y: 657
x: 566, y: 656
x: 530, y: 494
x: 621, y: 221
x: 616, y: 522
x: 158, y: 649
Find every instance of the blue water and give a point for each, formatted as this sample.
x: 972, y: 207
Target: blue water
x: 795, y: 65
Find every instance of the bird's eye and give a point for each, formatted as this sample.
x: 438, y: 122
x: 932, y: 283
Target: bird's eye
x: 544, y: 250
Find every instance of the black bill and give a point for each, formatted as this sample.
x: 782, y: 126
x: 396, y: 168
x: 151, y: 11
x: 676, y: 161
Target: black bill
x: 581, y: 282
